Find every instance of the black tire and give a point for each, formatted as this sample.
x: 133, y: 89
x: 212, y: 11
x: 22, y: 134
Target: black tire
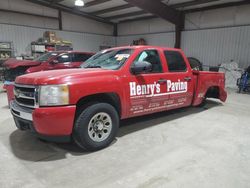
x: 81, y: 133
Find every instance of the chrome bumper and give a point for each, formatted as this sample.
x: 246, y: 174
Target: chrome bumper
x: 21, y: 112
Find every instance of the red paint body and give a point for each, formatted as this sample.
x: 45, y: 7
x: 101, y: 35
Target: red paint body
x: 10, y: 92
x: 36, y: 66
x: 14, y: 63
x: 86, y: 82
x: 57, y: 120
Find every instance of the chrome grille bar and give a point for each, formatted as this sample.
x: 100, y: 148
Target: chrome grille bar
x: 26, y: 95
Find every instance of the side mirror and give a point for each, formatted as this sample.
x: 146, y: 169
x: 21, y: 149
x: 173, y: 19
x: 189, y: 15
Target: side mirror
x: 195, y: 72
x: 53, y: 62
x: 141, y: 67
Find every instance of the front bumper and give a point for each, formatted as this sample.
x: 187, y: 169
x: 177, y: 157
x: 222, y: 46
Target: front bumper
x: 50, y: 123
x: 9, y: 87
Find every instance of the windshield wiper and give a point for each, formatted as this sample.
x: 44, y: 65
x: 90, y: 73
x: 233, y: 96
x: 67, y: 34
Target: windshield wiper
x: 93, y: 66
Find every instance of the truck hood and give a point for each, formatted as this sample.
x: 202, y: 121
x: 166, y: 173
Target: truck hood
x: 63, y: 76
x: 14, y: 63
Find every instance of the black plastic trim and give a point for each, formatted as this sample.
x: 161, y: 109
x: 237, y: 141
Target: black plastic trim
x: 26, y: 125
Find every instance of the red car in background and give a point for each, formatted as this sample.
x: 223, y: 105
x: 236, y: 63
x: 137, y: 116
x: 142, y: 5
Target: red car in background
x: 48, y: 61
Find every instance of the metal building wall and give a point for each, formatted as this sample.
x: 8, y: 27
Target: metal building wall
x: 159, y: 39
x: 22, y: 36
x: 22, y: 29
x: 76, y: 23
x: 220, y: 45
x: 155, y: 25
x: 214, y: 36
x: 210, y: 46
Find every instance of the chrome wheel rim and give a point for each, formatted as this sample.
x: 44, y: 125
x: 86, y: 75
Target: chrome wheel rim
x: 100, y: 126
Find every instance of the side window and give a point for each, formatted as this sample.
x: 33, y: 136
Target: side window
x: 175, y: 61
x: 152, y: 57
x: 81, y: 57
x: 64, y: 58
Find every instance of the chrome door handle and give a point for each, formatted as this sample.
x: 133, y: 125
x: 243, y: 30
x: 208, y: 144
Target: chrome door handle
x: 162, y: 81
x: 187, y: 78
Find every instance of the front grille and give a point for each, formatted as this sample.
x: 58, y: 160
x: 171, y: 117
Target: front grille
x: 26, y: 95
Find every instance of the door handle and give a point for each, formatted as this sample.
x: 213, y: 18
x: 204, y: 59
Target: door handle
x: 162, y: 81
x: 187, y: 78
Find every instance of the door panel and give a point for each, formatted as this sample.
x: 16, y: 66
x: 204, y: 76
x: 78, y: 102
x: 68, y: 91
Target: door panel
x: 179, y: 81
x: 179, y: 90
x: 144, y: 89
x: 160, y: 89
x: 145, y: 94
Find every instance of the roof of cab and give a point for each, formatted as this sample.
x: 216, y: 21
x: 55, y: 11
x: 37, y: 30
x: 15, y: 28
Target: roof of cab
x: 71, y: 51
x: 144, y: 47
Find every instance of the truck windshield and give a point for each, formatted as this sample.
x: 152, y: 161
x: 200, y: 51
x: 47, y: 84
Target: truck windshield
x: 108, y: 59
x: 46, y: 57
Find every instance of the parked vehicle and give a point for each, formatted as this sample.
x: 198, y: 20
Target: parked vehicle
x: 48, y: 61
x: 87, y: 104
x: 243, y: 82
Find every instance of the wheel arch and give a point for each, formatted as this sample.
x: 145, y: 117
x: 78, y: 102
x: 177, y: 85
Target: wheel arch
x: 213, y: 92
x: 110, y: 98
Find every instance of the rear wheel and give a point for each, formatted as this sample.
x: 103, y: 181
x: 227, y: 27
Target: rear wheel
x: 96, y: 126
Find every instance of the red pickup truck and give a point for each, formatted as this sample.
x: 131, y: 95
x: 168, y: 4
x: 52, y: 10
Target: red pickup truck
x: 87, y: 104
x: 48, y: 61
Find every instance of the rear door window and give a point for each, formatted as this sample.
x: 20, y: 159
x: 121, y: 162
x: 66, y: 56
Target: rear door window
x: 64, y: 58
x: 175, y: 61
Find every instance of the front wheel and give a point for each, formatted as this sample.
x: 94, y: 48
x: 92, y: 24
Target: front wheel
x: 96, y: 126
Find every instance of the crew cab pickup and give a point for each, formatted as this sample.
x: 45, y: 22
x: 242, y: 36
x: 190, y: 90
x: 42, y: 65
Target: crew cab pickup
x: 87, y: 104
x: 48, y: 61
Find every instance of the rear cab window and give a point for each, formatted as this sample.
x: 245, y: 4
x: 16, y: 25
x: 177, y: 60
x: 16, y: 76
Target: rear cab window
x: 64, y: 58
x: 46, y: 57
x: 175, y: 61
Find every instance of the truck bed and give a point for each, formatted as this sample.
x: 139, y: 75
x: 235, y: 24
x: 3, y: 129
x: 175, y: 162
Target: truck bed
x: 209, y: 85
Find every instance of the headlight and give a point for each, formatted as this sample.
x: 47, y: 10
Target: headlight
x: 54, y: 95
